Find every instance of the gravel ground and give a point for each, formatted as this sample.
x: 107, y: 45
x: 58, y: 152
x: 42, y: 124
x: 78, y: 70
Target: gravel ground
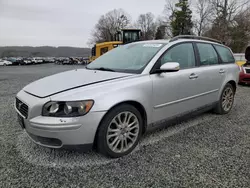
x: 205, y: 151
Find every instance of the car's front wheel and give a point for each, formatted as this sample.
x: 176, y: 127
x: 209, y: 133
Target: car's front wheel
x: 119, y: 131
x: 226, y: 100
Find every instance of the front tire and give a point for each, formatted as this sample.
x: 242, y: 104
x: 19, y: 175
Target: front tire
x: 226, y: 100
x: 119, y: 131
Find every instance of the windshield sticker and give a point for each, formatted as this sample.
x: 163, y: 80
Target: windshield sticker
x: 152, y: 45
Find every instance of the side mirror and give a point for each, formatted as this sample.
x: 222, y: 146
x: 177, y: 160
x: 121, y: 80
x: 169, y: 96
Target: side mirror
x: 169, y: 67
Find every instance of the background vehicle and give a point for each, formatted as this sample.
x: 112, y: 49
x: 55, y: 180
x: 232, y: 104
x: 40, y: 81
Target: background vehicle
x: 27, y: 61
x: 122, y: 37
x: 244, y: 77
x: 36, y: 60
x: 14, y: 61
x: 49, y: 60
x: 5, y: 62
x: 112, y: 104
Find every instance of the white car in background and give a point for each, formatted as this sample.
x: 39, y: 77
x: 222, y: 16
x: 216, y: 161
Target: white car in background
x: 36, y: 60
x: 5, y: 62
x: 27, y: 61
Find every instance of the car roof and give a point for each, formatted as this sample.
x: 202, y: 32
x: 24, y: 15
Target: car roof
x: 166, y: 41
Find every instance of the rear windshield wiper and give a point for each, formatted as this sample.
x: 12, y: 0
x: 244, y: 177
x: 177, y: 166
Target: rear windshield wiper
x: 104, y: 69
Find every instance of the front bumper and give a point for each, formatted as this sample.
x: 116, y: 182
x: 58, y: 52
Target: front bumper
x: 56, y: 132
x: 244, y: 78
x: 63, y: 132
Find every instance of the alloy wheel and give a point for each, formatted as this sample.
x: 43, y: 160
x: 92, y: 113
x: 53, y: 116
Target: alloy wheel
x: 227, y: 99
x: 122, y: 132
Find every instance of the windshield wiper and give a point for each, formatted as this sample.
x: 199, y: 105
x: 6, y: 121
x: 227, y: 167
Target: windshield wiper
x: 104, y: 69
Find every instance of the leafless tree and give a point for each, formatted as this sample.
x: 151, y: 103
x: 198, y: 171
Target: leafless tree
x: 227, y: 9
x: 169, y: 9
x: 225, y: 12
x: 147, y: 25
x: 240, y: 32
x: 203, y: 10
x: 109, y: 24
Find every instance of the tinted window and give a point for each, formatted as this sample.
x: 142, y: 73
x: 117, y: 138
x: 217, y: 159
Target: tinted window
x: 225, y: 54
x: 182, y: 54
x: 208, y: 55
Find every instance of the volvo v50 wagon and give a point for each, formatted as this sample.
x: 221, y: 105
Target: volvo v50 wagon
x: 127, y: 91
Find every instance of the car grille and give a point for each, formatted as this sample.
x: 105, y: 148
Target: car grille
x: 22, y: 108
x: 246, y: 79
x: 247, y: 71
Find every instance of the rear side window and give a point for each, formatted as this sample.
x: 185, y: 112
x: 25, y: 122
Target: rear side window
x: 225, y: 54
x: 208, y: 55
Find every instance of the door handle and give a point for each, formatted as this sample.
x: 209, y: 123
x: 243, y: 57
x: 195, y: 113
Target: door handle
x: 222, y: 71
x: 193, y: 76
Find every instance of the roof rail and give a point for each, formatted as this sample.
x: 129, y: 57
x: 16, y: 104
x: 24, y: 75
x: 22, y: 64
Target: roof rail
x: 194, y: 37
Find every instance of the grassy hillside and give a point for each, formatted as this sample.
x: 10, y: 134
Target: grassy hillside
x: 43, y: 51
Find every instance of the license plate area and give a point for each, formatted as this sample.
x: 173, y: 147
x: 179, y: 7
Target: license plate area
x: 20, y: 121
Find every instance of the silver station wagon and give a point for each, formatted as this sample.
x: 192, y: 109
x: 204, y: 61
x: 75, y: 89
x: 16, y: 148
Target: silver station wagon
x: 127, y: 91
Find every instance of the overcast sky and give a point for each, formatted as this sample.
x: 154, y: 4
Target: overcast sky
x: 61, y: 22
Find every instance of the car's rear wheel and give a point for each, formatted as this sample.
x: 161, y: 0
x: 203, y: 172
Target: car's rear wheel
x: 226, y: 100
x: 119, y: 131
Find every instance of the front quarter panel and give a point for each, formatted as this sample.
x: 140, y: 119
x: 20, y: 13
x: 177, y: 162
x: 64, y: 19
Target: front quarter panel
x: 136, y: 88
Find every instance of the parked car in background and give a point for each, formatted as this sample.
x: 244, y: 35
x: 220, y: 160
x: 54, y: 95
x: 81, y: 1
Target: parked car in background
x: 127, y: 91
x: 36, y: 60
x: 19, y: 61
x: 27, y: 61
x: 48, y: 60
x: 59, y: 60
x: 13, y: 60
x: 240, y: 59
x: 5, y: 62
x: 244, y: 74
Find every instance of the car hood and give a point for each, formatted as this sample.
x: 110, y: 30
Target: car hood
x: 68, y: 80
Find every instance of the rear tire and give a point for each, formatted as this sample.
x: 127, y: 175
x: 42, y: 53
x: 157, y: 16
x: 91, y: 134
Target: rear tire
x: 119, y: 131
x: 225, y: 104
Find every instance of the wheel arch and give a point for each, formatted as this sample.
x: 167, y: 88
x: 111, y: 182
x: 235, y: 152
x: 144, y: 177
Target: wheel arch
x: 233, y: 83
x: 133, y: 103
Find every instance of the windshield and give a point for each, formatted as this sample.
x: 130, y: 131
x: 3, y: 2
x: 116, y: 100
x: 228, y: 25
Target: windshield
x: 130, y: 58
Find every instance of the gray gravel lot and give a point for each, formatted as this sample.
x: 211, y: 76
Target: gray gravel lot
x: 205, y: 151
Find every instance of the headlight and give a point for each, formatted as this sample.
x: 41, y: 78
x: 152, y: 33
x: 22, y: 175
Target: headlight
x: 67, y: 109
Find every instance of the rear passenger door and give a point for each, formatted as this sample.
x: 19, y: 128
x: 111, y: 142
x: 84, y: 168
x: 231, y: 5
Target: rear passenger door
x: 227, y: 63
x: 211, y: 73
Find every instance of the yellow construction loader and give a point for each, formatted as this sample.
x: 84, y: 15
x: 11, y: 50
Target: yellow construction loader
x: 122, y: 37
